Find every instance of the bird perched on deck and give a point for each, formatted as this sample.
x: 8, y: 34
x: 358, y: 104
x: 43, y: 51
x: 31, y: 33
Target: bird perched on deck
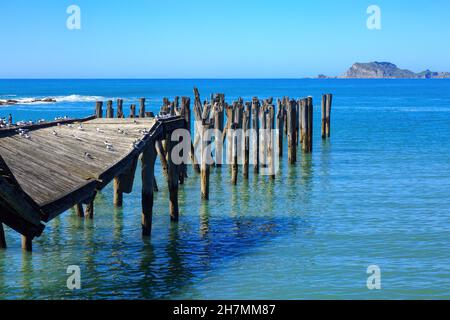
x: 99, y: 130
x: 27, y: 136
x: 108, y: 145
x: 80, y: 127
x: 55, y: 133
x: 120, y: 131
x: 88, y: 155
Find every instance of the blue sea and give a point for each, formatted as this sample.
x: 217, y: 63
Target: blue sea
x: 376, y: 193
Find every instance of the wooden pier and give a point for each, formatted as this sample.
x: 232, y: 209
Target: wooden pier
x: 47, y: 168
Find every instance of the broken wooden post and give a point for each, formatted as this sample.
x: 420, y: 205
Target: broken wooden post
x: 301, y: 105
x: 119, y: 108
x: 304, y: 127
x: 255, y: 139
x: 99, y: 109
x: 324, y: 116
x: 204, y: 166
x: 90, y: 210
x: 133, y: 111
x: 310, y: 124
x: 2, y: 237
x: 148, y: 177
x: 218, y: 129
x: 291, y: 122
x: 280, y: 125
x: 142, y: 108
x: 234, y: 153
x: 269, y: 141
x: 118, y: 193
x: 184, y: 112
x: 172, y: 179
x: 228, y: 132
x: 198, y: 120
x: 328, y: 114
x: 79, y: 210
x: 109, y: 109
x: 262, y: 134
x: 27, y: 243
x: 246, y: 137
x: 162, y: 154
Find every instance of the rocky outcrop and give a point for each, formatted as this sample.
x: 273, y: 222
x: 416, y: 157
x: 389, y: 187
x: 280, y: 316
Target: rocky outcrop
x: 378, y: 70
x: 387, y: 70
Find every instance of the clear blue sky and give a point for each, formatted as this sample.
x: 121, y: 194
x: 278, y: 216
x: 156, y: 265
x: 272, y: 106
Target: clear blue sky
x: 218, y: 38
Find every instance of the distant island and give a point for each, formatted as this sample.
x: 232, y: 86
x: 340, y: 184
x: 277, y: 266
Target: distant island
x: 386, y: 70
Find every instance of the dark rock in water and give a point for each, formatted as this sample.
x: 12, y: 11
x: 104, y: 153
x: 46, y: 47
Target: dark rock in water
x: 13, y: 102
x: 48, y: 100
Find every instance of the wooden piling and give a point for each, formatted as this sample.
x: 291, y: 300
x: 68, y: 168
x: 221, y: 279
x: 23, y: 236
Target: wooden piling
x: 255, y: 139
x: 234, y: 154
x: 2, y: 237
x: 204, y: 167
x: 172, y: 179
x: 118, y: 193
x: 99, y: 109
x: 300, y: 124
x: 328, y: 114
x: 120, y: 108
x: 324, y: 116
x: 27, y: 243
x: 162, y: 154
x: 262, y: 134
x: 229, y: 132
x: 133, y: 111
x: 148, y: 177
x: 310, y: 124
x: 90, y: 210
x: 219, y: 119
x: 109, y: 109
x: 280, y: 125
x: 142, y: 108
x: 270, y: 115
x: 185, y: 113
x: 291, y: 122
x: 246, y: 121
x: 79, y: 210
x: 304, y: 127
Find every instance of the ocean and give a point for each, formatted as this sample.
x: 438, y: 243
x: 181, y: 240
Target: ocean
x: 376, y: 193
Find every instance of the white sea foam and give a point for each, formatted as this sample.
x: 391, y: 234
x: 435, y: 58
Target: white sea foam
x: 38, y: 100
x: 79, y: 98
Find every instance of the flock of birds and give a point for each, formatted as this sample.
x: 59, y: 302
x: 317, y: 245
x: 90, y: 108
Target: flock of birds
x: 25, y: 133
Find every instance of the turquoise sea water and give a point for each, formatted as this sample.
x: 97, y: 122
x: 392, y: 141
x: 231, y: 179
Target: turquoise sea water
x: 377, y: 193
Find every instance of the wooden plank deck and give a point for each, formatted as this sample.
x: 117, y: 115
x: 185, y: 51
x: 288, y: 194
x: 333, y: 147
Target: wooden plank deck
x: 57, y: 160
